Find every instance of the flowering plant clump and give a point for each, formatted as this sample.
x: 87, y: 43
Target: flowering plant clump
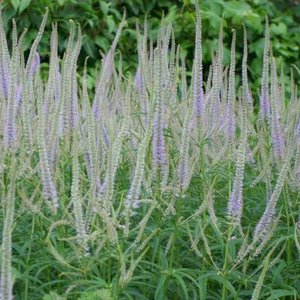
x: 150, y: 186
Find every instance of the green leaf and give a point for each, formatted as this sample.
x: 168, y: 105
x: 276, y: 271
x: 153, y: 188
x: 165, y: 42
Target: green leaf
x: 160, y: 289
x: 182, y: 285
x: 214, y: 20
x: 15, y: 4
x: 215, y: 6
x: 102, y: 42
x: 103, y: 294
x: 279, y: 29
x: 266, y: 266
x: 254, y: 22
x: 16, y: 274
x: 53, y: 296
x: 277, y: 294
x: 215, y: 276
x: 104, y: 7
x: 111, y: 24
x: 89, y: 47
x: 23, y: 5
x: 236, y: 8
x: 257, y: 47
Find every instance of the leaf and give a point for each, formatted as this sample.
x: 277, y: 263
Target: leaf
x: 213, y: 19
x: 160, y: 289
x: 111, y: 24
x: 89, y: 47
x: 279, y: 29
x: 180, y: 281
x: 202, y: 283
x: 266, y: 266
x: 214, y: 275
x: 16, y: 274
x: 102, y: 42
x: 236, y: 8
x: 53, y: 296
x: 23, y: 5
x: 103, y: 294
x: 297, y: 231
x: 257, y: 47
x: 277, y: 294
x: 15, y: 4
x: 104, y: 7
x: 253, y: 21
x: 215, y: 6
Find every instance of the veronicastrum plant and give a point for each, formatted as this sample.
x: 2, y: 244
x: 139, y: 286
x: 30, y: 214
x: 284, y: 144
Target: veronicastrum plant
x: 150, y: 186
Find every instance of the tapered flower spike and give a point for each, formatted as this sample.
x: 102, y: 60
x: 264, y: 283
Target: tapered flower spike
x: 264, y: 92
x: 93, y: 157
x: 198, y: 92
x: 107, y: 71
x: 4, y: 61
x: 132, y: 198
x: 36, y: 64
x: 267, y: 218
x: 213, y: 98
x: 282, y: 88
x: 158, y: 141
x: 140, y: 76
x: 231, y: 96
x: 48, y: 183
x: 10, y: 129
x: 216, y: 94
x: 75, y: 196
x: 6, y: 276
x: 62, y: 108
x: 235, y: 203
x: 183, y: 170
x: 28, y: 86
x: 69, y: 63
x: 183, y: 80
x: 74, y: 114
x: 220, y: 56
x: 276, y: 131
x: 246, y: 89
x: 115, y: 153
x: 52, y: 87
x: 32, y: 59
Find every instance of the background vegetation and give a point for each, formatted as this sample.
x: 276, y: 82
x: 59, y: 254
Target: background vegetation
x: 99, y: 20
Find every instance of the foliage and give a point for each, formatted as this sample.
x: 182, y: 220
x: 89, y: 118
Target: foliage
x: 99, y: 19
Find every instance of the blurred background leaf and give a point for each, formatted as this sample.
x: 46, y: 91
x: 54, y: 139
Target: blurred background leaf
x: 99, y: 20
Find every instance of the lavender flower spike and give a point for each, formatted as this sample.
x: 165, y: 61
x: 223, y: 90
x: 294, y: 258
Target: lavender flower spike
x: 235, y: 204
x: 264, y: 94
x: 267, y: 218
x: 36, y: 64
x: 197, y: 68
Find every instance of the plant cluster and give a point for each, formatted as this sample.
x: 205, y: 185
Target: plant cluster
x: 149, y: 186
x: 99, y: 19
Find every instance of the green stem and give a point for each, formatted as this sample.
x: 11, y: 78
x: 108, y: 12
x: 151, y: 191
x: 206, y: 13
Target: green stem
x: 178, y: 214
x: 28, y: 258
x: 286, y: 208
x: 226, y: 260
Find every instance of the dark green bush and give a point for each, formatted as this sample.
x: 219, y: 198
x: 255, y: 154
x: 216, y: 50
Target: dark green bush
x: 99, y: 20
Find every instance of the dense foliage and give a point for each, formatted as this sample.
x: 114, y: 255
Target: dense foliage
x: 99, y: 19
x: 150, y: 186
